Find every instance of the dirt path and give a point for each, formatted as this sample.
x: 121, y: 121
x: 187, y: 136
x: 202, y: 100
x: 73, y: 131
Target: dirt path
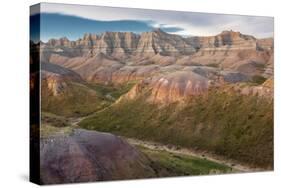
x: 203, y: 155
x: 74, y: 121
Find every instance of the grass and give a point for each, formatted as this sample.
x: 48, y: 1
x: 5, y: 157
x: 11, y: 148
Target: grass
x: 110, y: 90
x: 52, y: 124
x: 54, y: 120
x: 169, y: 164
x: 215, y: 65
x: 47, y: 130
x: 235, y: 126
x: 81, y: 99
x: 76, y: 100
x: 257, y: 79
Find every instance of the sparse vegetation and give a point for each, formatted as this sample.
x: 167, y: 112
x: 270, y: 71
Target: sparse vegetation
x: 229, y: 124
x: 52, y: 124
x: 257, y: 79
x: 215, y: 65
x: 171, y: 164
x: 110, y: 90
x: 76, y: 100
x: 82, y: 99
x: 54, y: 120
x: 49, y: 130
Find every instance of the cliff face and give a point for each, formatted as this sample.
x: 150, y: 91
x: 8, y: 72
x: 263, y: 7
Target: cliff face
x: 123, y: 44
x: 56, y: 77
x: 169, y: 87
x: 159, y: 42
x: 231, y: 50
x: 177, y: 86
x: 225, y: 39
x: 115, y: 43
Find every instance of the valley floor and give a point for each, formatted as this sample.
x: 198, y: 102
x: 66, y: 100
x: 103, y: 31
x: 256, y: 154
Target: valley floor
x: 234, y: 166
x: 149, y: 148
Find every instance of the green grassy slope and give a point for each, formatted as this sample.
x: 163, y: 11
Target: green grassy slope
x: 75, y: 101
x: 111, y: 92
x: 169, y: 164
x: 235, y: 126
x: 79, y: 99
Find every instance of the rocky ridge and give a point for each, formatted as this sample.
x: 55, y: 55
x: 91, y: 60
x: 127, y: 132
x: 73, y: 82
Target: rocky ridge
x: 121, y: 57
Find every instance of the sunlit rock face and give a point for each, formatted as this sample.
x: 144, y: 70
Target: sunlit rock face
x: 169, y: 88
x: 177, y: 86
x: 55, y: 78
x: 55, y: 83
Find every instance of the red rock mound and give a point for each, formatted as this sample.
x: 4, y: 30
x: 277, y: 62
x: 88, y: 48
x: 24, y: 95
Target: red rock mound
x: 85, y: 156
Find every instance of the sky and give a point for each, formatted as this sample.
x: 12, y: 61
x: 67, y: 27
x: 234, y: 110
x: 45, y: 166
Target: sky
x: 73, y: 21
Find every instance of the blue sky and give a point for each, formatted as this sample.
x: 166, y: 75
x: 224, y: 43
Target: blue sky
x: 72, y: 21
x: 54, y: 25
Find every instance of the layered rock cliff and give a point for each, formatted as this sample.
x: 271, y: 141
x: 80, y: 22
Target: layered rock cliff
x: 123, y: 44
x: 173, y: 67
x: 56, y: 77
x: 223, y: 40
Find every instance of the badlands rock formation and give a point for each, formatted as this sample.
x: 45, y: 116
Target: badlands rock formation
x: 56, y: 77
x: 223, y: 40
x: 171, y: 87
x: 231, y: 50
x: 177, y: 86
x: 115, y: 58
x: 123, y: 44
x: 85, y: 156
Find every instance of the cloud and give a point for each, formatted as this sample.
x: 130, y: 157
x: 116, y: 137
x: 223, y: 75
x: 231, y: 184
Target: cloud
x: 172, y: 29
x: 186, y: 23
x: 55, y: 25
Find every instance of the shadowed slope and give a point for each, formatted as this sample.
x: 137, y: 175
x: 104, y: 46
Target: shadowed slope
x: 84, y: 156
